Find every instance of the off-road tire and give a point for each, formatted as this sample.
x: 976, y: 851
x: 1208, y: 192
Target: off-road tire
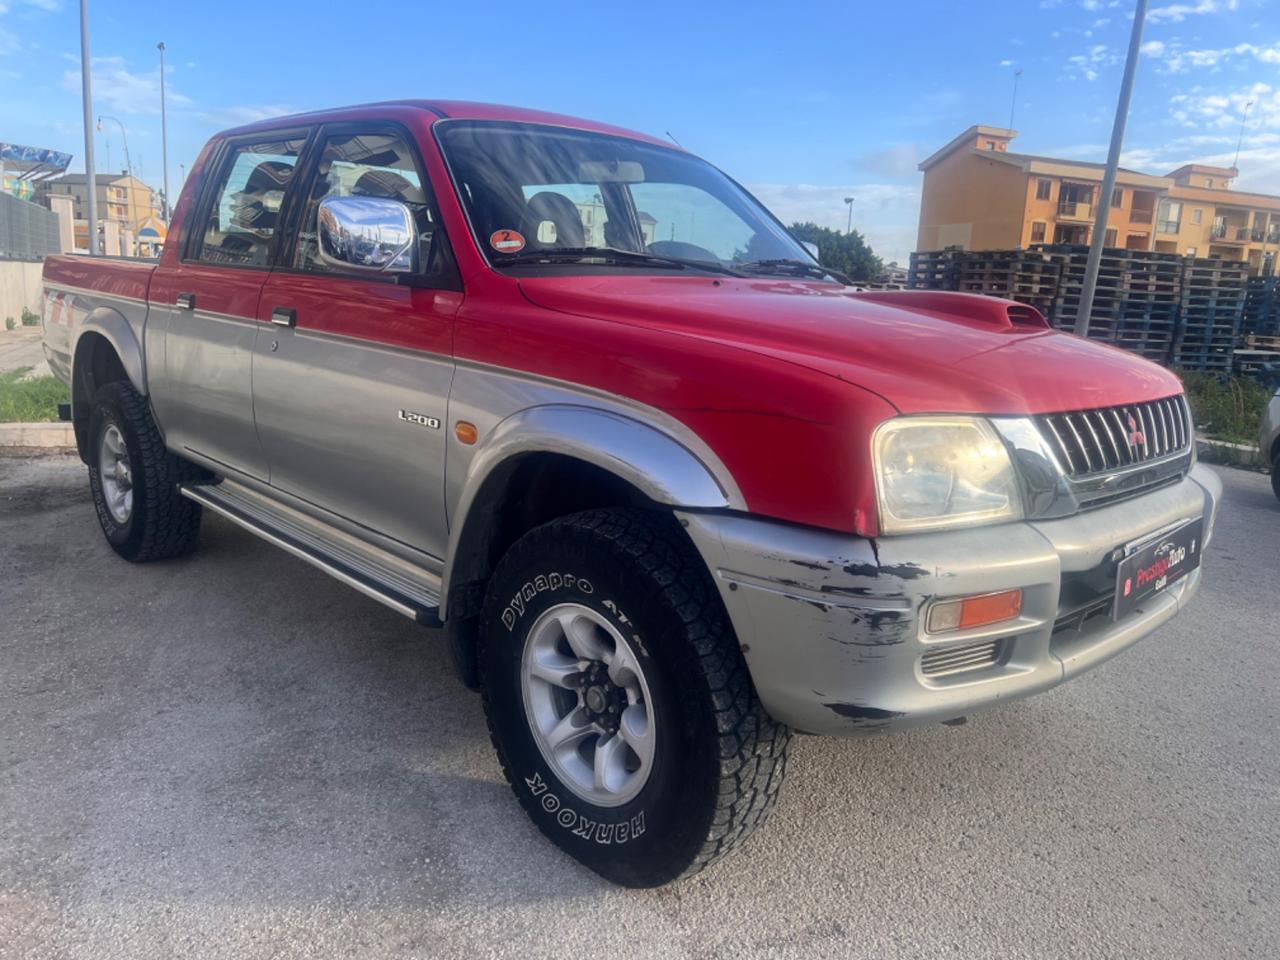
x: 163, y: 523
x: 720, y: 758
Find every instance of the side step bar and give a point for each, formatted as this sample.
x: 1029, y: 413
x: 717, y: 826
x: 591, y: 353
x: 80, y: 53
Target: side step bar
x: 416, y: 597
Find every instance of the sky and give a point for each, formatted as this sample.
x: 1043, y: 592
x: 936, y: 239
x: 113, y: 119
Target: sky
x: 806, y: 103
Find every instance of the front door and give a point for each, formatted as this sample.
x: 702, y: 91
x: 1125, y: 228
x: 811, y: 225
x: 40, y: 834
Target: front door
x: 204, y: 308
x: 352, y: 378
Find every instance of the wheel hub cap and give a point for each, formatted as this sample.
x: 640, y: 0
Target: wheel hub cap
x: 588, y: 706
x: 116, y: 474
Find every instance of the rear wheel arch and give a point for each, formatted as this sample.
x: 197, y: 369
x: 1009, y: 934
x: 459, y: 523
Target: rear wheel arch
x: 96, y: 361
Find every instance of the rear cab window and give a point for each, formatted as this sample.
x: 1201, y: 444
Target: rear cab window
x: 243, y: 220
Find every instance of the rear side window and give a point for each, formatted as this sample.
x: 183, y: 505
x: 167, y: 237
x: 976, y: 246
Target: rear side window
x: 246, y: 207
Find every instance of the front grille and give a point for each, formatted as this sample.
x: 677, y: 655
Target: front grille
x: 1089, y: 443
x: 969, y: 656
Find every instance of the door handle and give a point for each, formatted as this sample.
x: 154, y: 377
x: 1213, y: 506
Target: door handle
x: 284, y: 316
x: 185, y: 301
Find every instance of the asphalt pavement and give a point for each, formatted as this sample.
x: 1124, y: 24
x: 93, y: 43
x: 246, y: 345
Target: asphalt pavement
x: 233, y: 756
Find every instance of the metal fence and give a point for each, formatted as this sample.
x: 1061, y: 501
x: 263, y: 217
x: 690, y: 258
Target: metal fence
x: 27, y: 230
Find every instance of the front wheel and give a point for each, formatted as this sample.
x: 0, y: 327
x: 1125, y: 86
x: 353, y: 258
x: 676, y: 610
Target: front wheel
x: 619, y: 704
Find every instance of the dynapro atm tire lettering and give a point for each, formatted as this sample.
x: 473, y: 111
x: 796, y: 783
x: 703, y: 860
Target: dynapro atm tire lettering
x: 539, y: 584
x: 580, y: 826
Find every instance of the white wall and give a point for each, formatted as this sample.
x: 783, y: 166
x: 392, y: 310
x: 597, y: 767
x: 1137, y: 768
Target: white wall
x: 19, y: 287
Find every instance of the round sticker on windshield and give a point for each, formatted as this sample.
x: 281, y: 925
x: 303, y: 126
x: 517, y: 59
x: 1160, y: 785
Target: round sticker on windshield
x: 506, y: 241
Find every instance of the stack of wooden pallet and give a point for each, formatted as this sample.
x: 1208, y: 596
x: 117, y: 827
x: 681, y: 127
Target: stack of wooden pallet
x: 1211, y: 309
x: 935, y: 269
x: 1023, y: 275
x: 1262, y: 307
x: 1136, y: 301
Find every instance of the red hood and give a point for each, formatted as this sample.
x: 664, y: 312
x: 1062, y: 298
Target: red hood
x: 919, y: 361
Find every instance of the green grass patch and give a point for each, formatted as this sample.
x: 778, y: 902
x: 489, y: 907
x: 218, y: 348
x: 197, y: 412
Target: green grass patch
x: 30, y: 401
x: 1227, y: 408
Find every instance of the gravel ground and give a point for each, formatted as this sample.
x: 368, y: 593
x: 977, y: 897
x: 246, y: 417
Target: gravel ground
x: 232, y: 756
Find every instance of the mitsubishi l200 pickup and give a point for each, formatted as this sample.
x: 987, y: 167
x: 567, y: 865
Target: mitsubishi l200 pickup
x: 671, y: 489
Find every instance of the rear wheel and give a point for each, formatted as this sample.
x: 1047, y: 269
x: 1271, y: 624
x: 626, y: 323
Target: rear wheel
x: 134, y: 479
x: 619, y: 704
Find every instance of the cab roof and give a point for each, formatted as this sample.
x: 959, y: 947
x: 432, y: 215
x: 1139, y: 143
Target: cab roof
x: 441, y: 110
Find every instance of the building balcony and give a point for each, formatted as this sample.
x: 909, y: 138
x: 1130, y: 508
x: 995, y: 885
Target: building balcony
x: 1168, y: 226
x: 1141, y: 216
x: 1070, y: 210
x: 1229, y: 234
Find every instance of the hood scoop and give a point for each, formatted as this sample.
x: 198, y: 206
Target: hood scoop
x: 971, y: 309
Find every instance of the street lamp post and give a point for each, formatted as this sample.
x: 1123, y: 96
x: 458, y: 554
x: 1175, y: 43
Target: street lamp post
x: 848, y: 202
x: 164, y: 136
x: 86, y: 86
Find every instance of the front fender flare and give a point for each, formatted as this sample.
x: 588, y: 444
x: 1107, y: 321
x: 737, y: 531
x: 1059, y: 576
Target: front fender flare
x: 651, y: 460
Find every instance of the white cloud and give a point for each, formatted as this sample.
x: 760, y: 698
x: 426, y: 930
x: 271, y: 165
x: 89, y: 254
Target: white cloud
x: 246, y: 113
x: 1089, y: 64
x: 123, y: 91
x: 1177, y: 12
x: 1175, y: 59
x: 1006, y: 63
x: 1217, y: 110
x: 886, y: 214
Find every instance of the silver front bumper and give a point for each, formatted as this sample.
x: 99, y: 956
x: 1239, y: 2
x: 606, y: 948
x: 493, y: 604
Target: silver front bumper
x: 832, y: 627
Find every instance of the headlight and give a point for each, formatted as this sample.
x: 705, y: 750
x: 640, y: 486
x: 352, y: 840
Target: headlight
x: 936, y: 472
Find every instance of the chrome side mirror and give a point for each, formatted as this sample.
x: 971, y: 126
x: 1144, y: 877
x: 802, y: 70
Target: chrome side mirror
x: 811, y: 247
x: 369, y: 233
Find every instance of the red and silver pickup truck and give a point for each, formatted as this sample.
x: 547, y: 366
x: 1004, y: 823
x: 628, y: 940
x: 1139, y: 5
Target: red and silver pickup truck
x: 672, y: 490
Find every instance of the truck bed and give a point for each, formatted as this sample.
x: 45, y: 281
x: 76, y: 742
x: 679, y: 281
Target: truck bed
x: 76, y: 286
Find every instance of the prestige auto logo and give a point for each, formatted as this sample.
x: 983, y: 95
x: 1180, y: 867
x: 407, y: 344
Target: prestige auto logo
x: 1168, y: 557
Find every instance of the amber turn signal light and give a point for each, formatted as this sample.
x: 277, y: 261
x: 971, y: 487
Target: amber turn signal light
x: 966, y: 612
x: 466, y: 432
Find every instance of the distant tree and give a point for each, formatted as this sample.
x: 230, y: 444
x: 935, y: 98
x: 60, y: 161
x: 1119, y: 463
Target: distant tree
x: 847, y: 252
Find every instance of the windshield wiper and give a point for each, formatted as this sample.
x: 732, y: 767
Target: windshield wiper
x: 793, y: 268
x: 613, y: 255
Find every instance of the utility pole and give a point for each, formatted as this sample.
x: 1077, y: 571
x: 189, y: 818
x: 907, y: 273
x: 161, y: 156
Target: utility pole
x: 164, y: 136
x: 1014, y: 102
x: 1109, y: 177
x: 86, y: 86
x: 848, y: 202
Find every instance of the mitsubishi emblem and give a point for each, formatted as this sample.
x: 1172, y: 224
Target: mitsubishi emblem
x: 1136, y: 437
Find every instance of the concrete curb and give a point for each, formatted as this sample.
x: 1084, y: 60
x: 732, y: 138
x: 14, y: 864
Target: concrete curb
x: 1231, y: 454
x: 49, y: 436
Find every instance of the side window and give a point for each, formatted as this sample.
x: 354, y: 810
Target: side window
x: 246, y: 208
x: 368, y: 165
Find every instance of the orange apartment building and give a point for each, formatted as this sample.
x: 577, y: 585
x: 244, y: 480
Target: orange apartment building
x: 979, y: 195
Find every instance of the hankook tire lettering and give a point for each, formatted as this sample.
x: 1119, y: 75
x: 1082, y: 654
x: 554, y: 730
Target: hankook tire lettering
x: 580, y: 826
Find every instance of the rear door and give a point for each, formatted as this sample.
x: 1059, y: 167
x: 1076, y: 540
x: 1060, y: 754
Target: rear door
x: 351, y: 386
x: 205, y: 307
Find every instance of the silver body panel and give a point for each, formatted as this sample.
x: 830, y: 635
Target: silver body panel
x: 67, y: 314
x: 202, y: 364
x: 327, y: 413
x: 1269, y: 431
x: 832, y: 626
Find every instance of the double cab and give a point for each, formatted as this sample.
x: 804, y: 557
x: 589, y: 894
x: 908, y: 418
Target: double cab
x: 671, y: 488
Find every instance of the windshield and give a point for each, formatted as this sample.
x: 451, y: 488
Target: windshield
x: 540, y: 195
